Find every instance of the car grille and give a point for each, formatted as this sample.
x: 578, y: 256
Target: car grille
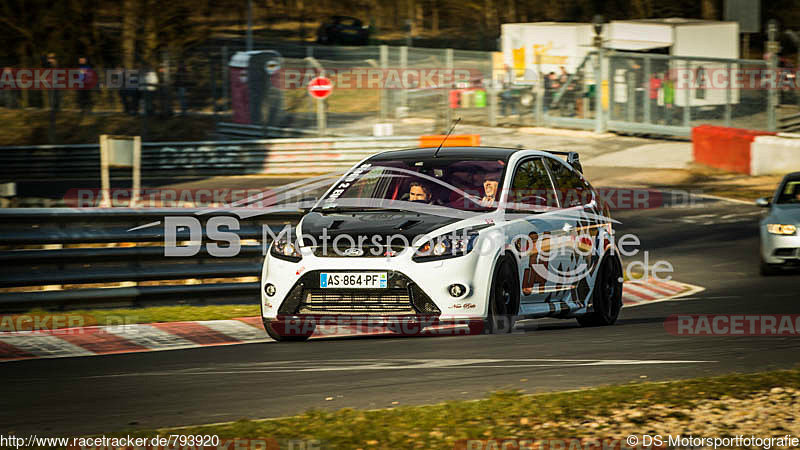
x: 370, y: 251
x: 385, y: 302
x: 401, y: 296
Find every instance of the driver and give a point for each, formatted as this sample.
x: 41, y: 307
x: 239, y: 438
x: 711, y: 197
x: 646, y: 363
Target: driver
x: 490, y: 183
x: 419, y: 193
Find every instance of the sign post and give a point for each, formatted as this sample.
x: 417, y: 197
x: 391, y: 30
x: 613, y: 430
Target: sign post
x: 120, y: 151
x: 320, y: 88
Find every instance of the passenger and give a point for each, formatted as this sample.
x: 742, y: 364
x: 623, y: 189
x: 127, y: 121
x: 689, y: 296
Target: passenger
x: 490, y: 184
x: 419, y: 193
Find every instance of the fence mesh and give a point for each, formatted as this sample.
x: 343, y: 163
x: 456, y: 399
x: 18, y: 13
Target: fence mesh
x: 648, y: 91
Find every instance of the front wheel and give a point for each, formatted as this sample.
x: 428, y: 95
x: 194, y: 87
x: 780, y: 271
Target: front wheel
x: 503, y: 300
x: 768, y: 270
x: 607, y: 296
x: 276, y: 329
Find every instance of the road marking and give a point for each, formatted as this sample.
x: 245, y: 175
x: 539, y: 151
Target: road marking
x: 150, y: 337
x: 43, y: 345
x: 93, y: 341
x: 398, y: 364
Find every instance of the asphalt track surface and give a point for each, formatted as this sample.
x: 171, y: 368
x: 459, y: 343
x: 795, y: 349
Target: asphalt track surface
x: 712, y: 244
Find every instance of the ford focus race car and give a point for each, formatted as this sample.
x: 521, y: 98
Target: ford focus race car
x: 480, y: 236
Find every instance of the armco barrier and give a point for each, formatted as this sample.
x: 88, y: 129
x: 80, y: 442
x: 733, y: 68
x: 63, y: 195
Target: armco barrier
x: 723, y: 147
x: 34, y: 256
x: 775, y: 155
x: 210, y: 158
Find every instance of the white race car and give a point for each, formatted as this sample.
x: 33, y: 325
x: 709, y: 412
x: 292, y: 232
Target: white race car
x: 476, y: 235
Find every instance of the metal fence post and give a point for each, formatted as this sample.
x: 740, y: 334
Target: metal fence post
x: 310, y: 65
x: 384, y: 56
x: 687, y: 98
x: 539, y: 91
x: 322, y: 123
x: 404, y: 67
x: 631, y: 86
x: 612, y: 72
x: 599, y: 125
x: 728, y: 98
x: 773, y: 47
x: 646, y: 97
x: 492, y: 94
x: 448, y: 63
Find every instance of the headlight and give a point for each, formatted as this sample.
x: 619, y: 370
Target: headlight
x: 775, y: 228
x: 449, y: 245
x: 285, y: 250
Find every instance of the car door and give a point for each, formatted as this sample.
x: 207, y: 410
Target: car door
x: 581, y: 221
x: 530, y: 202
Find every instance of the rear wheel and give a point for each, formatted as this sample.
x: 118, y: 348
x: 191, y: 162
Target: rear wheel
x: 607, y: 296
x: 276, y: 329
x: 503, y: 300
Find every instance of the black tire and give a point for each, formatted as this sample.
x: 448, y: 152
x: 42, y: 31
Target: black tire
x: 503, y: 299
x: 274, y: 330
x: 768, y: 270
x: 607, y: 295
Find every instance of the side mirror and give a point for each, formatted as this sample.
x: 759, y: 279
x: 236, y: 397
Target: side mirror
x: 763, y: 202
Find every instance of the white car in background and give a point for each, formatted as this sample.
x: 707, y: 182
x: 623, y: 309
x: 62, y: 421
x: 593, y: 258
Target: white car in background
x: 432, y: 236
x: 780, y: 241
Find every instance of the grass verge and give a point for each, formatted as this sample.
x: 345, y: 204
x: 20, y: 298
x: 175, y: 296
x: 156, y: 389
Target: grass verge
x: 88, y: 317
x: 502, y: 415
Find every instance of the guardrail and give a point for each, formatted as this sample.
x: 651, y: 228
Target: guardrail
x: 58, y: 247
x: 790, y: 123
x: 199, y: 159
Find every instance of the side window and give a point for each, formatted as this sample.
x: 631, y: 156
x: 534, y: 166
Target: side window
x: 572, y: 189
x: 531, y: 186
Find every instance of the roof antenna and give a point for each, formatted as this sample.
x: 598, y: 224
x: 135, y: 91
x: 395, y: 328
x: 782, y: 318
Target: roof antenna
x: 455, y: 122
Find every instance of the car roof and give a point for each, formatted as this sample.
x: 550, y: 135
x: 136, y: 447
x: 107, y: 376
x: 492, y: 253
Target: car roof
x: 450, y: 153
x: 794, y: 176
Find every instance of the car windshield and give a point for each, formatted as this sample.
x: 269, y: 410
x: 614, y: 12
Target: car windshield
x: 469, y: 185
x: 790, y: 192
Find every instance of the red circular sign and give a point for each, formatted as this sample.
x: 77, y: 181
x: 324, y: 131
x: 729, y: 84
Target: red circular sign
x: 320, y: 87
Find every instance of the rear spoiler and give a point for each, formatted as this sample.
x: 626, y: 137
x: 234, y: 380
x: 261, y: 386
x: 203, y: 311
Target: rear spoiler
x: 572, y: 158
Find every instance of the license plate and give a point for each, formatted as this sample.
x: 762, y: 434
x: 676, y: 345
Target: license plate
x: 353, y: 280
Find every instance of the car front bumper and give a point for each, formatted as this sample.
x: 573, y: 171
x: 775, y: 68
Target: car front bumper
x: 414, y: 288
x: 780, y: 249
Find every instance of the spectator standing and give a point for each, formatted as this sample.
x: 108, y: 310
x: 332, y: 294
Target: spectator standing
x: 550, y: 85
x: 85, y: 94
x: 654, y: 90
x: 53, y: 95
x: 164, y: 94
x: 181, y: 85
x: 148, y: 89
x: 669, y: 98
x: 507, y: 100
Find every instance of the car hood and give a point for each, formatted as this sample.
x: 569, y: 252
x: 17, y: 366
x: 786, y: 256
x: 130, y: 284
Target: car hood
x: 786, y: 214
x: 368, y: 224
